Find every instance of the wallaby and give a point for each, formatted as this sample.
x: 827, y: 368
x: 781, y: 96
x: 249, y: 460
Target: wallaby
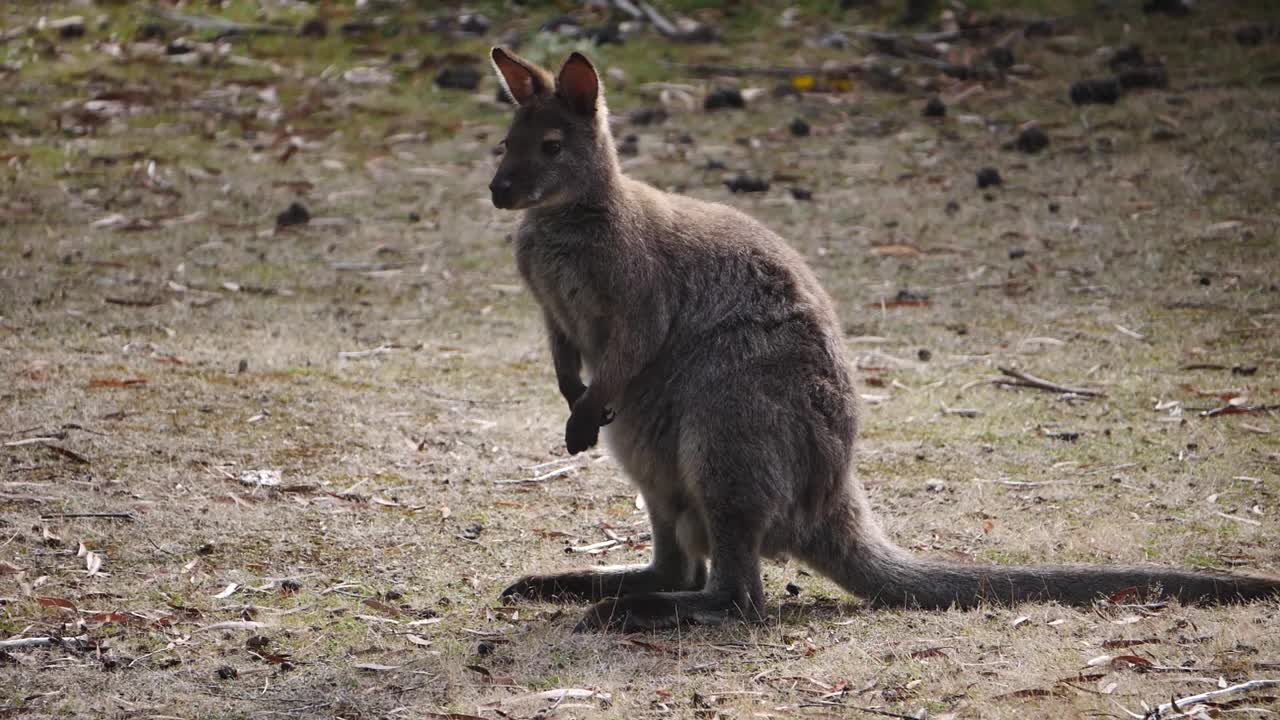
x: 717, y: 361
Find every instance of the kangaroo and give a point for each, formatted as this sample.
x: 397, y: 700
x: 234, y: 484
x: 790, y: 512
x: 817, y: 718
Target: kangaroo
x: 716, y: 360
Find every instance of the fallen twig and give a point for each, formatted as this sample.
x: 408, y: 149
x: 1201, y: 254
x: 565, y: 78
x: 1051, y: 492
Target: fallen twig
x: 71, y: 643
x: 116, y: 516
x: 962, y: 412
x: 550, y: 475
x: 1239, y: 410
x: 1022, y: 379
x: 221, y: 26
x: 1177, y: 704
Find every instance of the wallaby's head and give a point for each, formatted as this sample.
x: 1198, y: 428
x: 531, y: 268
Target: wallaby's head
x: 558, y: 149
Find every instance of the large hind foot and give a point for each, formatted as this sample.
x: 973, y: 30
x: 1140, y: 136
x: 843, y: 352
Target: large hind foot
x: 591, y: 585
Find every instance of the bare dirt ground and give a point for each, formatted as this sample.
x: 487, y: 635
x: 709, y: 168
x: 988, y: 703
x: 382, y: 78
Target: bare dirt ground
x: 162, y: 340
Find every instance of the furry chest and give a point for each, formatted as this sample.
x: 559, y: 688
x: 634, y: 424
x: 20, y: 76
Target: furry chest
x: 562, y: 293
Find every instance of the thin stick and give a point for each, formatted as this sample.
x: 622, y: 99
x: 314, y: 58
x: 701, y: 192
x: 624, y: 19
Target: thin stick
x: 540, y: 478
x: 31, y: 642
x: 1023, y: 379
x: 1177, y: 705
x: 116, y: 516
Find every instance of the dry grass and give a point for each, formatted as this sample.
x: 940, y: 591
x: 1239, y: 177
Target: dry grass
x: 396, y: 507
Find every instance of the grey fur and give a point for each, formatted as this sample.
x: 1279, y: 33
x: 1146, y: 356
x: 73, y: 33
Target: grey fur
x: 733, y: 407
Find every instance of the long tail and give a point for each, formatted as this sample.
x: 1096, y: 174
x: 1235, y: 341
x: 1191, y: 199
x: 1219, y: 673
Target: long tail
x: 855, y: 554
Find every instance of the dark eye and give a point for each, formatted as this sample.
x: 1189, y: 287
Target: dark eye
x: 551, y: 147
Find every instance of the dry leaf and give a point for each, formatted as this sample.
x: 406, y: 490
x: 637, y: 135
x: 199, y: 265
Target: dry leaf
x: 56, y: 602
x: 227, y: 591
x: 375, y: 667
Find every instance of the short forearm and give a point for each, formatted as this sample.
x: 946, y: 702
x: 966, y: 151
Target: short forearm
x: 568, y: 366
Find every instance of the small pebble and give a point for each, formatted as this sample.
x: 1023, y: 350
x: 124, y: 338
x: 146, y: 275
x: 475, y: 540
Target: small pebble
x: 485, y: 648
x: 924, y: 354
x: 1017, y: 253
x: 935, y: 108
x: 793, y: 589
x: 799, y: 127
x: 226, y: 672
x: 989, y: 177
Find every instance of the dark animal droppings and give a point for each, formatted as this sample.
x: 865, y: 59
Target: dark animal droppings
x: 1032, y: 140
x: 1001, y: 57
x: 474, y: 24
x: 935, y: 107
x: 1149, y: 76
x: 1104, y: 92
x: 724, y: 98
x: 1127, y: 57
x: 1172, y: 8
x: 151, y: 31
x: 746, y: 184
x: 314, y: 28
x: 801, y: 194
x: 799, y: 127
x: 1249, y: 35
x: 989, y: 177
x: 295, y: 214
x: 458, y: 77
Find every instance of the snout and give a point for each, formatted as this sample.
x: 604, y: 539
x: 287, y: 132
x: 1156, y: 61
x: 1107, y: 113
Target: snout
x: 503, y: 195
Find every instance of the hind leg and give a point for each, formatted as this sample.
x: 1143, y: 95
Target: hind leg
x: 734, y: 505
x: 672, y: 567
x: 734, y: 592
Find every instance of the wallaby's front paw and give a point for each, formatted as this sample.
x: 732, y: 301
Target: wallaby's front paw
x: 573, y: 394
x: 607, y: 417
x: 582, y: 431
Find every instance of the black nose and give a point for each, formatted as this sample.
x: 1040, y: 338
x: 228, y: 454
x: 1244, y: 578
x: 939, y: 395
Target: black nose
x: 501, y: 191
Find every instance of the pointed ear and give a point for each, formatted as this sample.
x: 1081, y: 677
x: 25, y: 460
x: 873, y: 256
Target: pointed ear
x: 579, y: 84
x: 522, y: 79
